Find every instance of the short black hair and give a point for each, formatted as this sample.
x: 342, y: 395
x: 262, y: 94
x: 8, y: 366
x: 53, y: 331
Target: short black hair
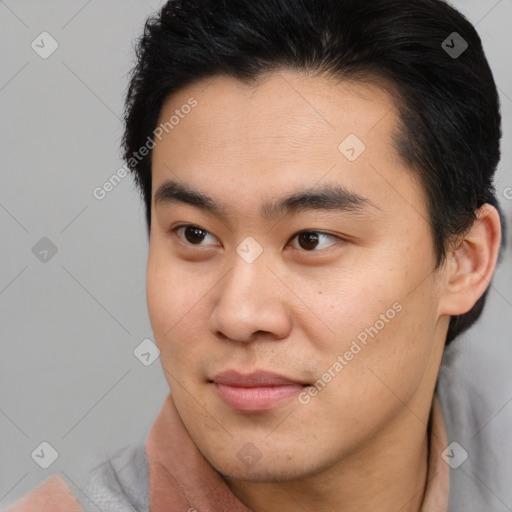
x: 448, y: 104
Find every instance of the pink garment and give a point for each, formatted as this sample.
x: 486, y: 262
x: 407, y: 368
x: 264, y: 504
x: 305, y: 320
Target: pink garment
x: 181, y: 478
x: 53, y: 494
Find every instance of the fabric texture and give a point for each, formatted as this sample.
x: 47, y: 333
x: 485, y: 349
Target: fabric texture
x: 170, y: 474
x: 52, y: 494
x: 120, y: 484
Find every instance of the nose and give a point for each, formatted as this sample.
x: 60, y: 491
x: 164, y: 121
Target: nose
x: 249, y: 303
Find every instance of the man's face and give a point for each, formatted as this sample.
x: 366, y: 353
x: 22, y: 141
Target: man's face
x: 339, y: 297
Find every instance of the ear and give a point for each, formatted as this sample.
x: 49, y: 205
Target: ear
x: 471, y: 264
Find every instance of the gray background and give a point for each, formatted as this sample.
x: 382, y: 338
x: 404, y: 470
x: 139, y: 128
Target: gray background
x: 69, y: 326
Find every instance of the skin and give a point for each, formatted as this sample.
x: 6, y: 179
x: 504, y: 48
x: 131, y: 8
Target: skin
x: 361, y: 442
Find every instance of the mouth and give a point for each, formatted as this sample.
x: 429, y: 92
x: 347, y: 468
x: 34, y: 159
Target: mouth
x: 255, y: 392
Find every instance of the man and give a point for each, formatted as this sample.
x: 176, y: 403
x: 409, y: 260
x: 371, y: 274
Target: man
x: 322, y: 222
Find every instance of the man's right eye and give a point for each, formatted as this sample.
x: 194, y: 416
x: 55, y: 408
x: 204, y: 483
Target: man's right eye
x: 193, y: 235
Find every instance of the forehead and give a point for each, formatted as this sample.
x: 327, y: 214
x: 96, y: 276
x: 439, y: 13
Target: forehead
x: 285, y: 110
x: 251, y: 141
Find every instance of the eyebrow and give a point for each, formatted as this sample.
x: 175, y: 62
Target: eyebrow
x: 330, y: 197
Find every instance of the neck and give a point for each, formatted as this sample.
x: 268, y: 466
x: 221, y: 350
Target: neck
x: 388, y: 474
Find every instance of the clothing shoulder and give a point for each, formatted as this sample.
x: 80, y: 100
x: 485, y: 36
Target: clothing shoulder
x: 118, y: 484
x: 52, y: 494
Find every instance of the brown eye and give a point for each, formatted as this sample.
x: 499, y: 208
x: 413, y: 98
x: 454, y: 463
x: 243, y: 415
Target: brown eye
x: 311, y: 240
x: 308, y: 240
x: 194, y: 235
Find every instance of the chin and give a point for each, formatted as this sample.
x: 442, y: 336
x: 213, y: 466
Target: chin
x: 262, y: 474
x: 262, y: 467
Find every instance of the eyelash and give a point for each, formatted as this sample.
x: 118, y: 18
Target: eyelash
x: 181, y: 226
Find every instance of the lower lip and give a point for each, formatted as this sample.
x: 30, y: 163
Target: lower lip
x: 256, y: 399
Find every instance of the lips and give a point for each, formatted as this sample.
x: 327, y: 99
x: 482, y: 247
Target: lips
x: 255, y: 392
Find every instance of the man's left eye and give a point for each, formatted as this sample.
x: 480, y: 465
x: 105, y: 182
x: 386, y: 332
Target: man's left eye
x: 307, y: 240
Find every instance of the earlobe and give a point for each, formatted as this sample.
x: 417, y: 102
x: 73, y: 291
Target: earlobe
x: 471, y: 264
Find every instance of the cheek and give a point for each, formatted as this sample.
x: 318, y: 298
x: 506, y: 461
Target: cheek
x: 348, y: 302
x: 170, y: 289
x: 176, y: 301
x: 166, y: 300
x: 387, y: 352
x: 379, y: 311
x: 161, y: 298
